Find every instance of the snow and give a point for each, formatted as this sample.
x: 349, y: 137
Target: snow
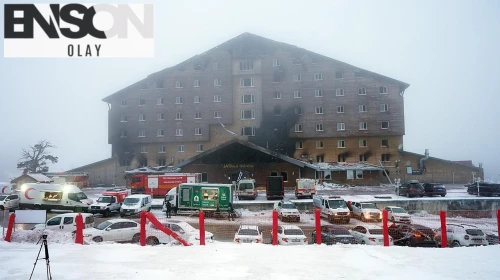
x: 248, y: 261
x: 40, y: 177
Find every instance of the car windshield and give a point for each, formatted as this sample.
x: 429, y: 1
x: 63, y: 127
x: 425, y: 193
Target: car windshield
x: 368, y: 206
x: 131, y: 200
x: 438, y: 186
x: 103, y: 225
x: 248, y: 232
x: 104, y: 199
x: 288, y: 206
x: 2, y: 197
x: 293, y: 231
x: 398, y: 210
x: 376, y: 231
x: 245, y: 186
x: 337, y: 203
x: 474, y: 232
x: 81, y: 195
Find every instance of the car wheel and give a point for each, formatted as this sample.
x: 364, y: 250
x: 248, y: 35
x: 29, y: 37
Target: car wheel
x: 443, y: 195
x: 136, y: 238
x: 421, y: 196
x: 456, y: 244
x: 363, y: 242
x: 153, y: 241
x: 392, y: 219
x: 97, y: 239
x: 106, y: 213
x: 408, y: 243
x: 2, y: 207
x: 37, y: 207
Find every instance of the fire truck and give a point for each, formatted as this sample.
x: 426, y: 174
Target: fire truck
x: 159, y: 185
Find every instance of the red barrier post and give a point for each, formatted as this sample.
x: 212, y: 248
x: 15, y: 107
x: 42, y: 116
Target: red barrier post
x: 498, y: 224
x: 202, y: 228
x: 318, y: 226
x: 385, y: 227
x: 275, y: 227
x: 143, y: 228
x: 444, y: 237
x: 12, y: 219
x: 79, y: 229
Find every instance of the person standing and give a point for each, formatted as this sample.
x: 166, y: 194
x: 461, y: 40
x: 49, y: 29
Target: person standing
x: 169, y: 209
x: 230, y: 210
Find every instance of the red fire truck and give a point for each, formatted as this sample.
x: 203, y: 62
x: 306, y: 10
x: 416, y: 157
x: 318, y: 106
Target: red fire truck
x: 159, y: 185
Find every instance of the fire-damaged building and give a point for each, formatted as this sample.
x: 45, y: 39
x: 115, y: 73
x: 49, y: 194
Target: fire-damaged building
x: 270, y: 108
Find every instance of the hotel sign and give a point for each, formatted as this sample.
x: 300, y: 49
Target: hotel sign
x: 239, y: 165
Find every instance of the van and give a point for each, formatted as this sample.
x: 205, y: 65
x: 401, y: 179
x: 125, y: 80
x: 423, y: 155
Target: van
x: 10, y: 202
x: 305, y: 188
x: 332, y: 208
x: 134, y: 204
x: 52, y: 196
x: 246, y: 189
x: 66, y: 222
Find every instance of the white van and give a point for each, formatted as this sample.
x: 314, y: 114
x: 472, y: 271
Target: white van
x: 52, y: 196
x: 66, y: 222
x: 134, y: 204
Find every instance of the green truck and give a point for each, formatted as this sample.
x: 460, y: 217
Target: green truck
x: 194, y: 197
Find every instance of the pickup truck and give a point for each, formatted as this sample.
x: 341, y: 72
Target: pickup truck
x: 366, y: 211
x: 108, y: 202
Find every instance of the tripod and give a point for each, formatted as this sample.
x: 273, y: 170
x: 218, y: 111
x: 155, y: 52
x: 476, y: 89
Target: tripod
x: 47, y: 261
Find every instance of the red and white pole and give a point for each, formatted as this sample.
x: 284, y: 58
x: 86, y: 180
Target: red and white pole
x: 275, y: 227
x: 318, y: 226
x: 444, y: 237
x: 202, y: 228
x: 385, y: 227
x: 143, y: 228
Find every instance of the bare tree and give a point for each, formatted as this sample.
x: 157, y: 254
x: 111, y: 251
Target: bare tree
x: 34, y: 159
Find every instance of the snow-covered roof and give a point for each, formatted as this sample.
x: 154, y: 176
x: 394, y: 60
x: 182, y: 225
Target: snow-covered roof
x: 154, y: 170
x: 340, y: 166
x: 39, y: 177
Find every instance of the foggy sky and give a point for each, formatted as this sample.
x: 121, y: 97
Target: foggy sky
x: 448, y: 51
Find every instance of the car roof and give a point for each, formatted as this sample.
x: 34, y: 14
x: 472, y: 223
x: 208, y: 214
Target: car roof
x: 290, y: 227
x: 369, y: 226
x: 417, y: 226
x: 249, y: 227
x: 121, y: 220
x: 73, y: 214
x: 394, y: 207
x: 335, y: 227
x: 138, y: 196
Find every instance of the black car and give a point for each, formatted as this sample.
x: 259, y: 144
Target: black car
x: 411, y: 189
x: 412, y: 235
x: 484, y: 189
x: 333, y: 234
x: 431, y: 189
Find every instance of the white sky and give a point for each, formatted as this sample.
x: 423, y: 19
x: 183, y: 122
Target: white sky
x: 446, y: 50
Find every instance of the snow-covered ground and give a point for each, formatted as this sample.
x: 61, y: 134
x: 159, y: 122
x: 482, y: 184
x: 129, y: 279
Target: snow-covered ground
x: 248, y: 261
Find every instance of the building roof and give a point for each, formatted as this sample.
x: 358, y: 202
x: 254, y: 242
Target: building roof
x: 38, y: 177
x: 251, y: 40
x: 442, y: 160
x: 343, y: 166
x: 90, y: 165
x: 153, y: 170
x: 465, y: 162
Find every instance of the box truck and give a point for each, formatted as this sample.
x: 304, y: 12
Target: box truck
x: 188, y: 198
x: 275, y: 187
x: 159, y: 185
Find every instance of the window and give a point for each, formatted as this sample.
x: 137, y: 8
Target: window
x: 199, y: 148
x: 123, y: 118
x: 363, y: 126
x: 276, y: 62
x: 298, y: 110
x: 197, y: 131
x: 299, y: 145
x: 296, y: 94
x: 297, y: 78
x: 123, y: 134
x: 178, y: 132
x: 341, y: 144
x: 204, y: 177
x: 162, y: 149
x: 178, y: 116
x: 385, y: 157
x: 142, y: 102
x: 144, y: 150
x: 362, y: 91
x: 197, y: 115
x: 248, y: 131
x: 217, y: 83
x: 277, y: 110
x: 284, y: 174
x: 217, y: 115
x: 358, y: 74
x: 54, y: 221
x: 196, y: 99
x: 142, y: 117
x: 318, y: 93
x: 277, y: 95
x: 359, y: 174
x: 385, y: 143
x: 318, y: 110
x: 246, y: 82
x: 159, y: 101
x: 340, y: 109
x: 274, y: 173
x: 339, y: 92
x: 247, y: 99
x: 124, y: 103
x: 178, y: 84
x: 215, y: 66
x: 319, y: 145
x: 142, y: 133
x: 217, y: 98
x: 246, y: 65
x: 180, y: 148
x: 161, y: 162
x: 340, y: 126
x: 362, y: 108
x: 320, y: 158
x: 384, y: 107
x: 362, y: 143
x: 196, y: 83
x: 319, y: 127
x: 296, y: 61
x: 318, y: 76
x: 339, y: 74
x: 298, y: 127
x: 178, y: 100
x: 383, y: 90
x: 247, y: 114
x: 159, y: 133
x: 362, y: 158
x: 341, y: 158
x: 384, y: 125
x: 160, y: 117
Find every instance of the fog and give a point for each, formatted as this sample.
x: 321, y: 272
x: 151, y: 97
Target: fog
x: 448, y: 51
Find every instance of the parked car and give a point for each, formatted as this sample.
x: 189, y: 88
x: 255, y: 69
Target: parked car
x: 117, y: 230
x: 66, y: 222
x: 332, y: 208
x: 366, y: 211
x: 246, y: 189
x: 9, y: 202
x: 248, y: 234
x: 370, y: 235
x: 287, y: 211
x: 484, y: 189
x: 431, y: 189
x: 492, y: 238
x: 397, y: 214
x: 291, y: 235
x: 412, y: 235
x: 134, y: 204
x: 463, y: 235
x: 155, y: 236
x: 334, y: 234
x: 411, y: 189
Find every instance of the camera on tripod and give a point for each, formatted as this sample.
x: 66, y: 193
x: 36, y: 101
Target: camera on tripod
x: 44, y: 236
x: 44, y: 245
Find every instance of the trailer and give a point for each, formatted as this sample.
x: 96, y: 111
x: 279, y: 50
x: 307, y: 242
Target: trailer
x: 192, y: 198
x: 275, y: 187
x: 158, y: 185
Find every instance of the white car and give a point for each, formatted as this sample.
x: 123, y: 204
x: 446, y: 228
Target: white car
x: 117, y: 230
x: 366, y: 211
x: 398, y: 214
x: 248, y: 234
x: 369, y: 235
x: 463, y: 235
x: 9, y: 201
x: 66, y: 222
x: 291, y: 235
x: 155, y: 236
x: 287, y: 211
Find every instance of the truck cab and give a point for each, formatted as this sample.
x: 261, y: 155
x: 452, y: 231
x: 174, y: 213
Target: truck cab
x: 333, y: 208
x: 246, y: 189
